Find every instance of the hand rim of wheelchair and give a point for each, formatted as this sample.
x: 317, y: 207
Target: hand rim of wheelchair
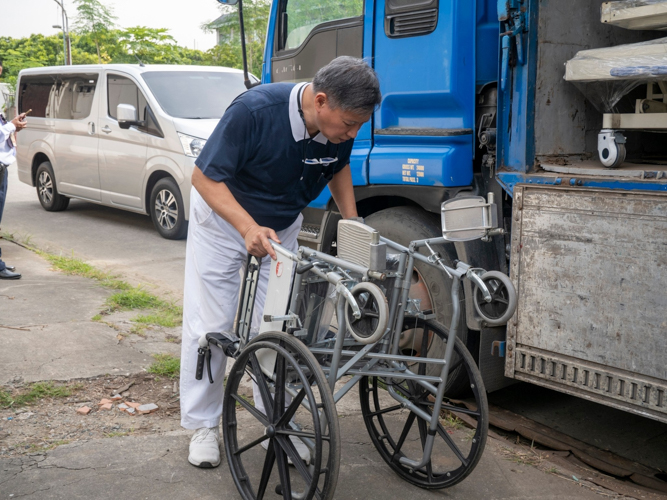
x: 503, y: 294
x: 389, y: 447
x: 289, y: 349
x: 354, y: 325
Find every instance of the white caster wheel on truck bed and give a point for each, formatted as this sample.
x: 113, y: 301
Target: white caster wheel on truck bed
x: 611, y: 148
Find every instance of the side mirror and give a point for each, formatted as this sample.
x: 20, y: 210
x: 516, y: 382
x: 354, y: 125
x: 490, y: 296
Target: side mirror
x: 126, y: 114
x: 228, y: 2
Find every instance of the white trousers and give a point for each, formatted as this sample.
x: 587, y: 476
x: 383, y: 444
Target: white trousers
x: 215, y: 254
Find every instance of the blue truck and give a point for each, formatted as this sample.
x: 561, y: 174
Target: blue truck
x: 474, y: 102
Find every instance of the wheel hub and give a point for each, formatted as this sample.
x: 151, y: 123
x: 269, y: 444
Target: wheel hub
x: 271, y: 431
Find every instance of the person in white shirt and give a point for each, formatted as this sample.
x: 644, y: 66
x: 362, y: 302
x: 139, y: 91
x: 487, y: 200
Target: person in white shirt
x: 7, y: 155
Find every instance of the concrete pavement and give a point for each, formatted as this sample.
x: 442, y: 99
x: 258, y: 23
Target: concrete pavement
x: 61, y: 342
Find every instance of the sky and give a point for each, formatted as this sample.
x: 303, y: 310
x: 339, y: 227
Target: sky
x: 21, y: 18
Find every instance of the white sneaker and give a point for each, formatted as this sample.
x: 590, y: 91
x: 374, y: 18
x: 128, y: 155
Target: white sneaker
x: 205, y: 448
x: 301, y: 449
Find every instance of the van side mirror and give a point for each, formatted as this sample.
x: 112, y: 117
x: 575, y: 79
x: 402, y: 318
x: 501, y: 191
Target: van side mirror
x: 126, y: 114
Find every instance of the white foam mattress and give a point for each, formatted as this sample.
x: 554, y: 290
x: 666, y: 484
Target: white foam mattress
x: 635, y: 14
x: 637, y: 61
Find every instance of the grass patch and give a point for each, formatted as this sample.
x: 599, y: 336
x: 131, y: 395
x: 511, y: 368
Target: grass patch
x: 168, y: 317
x: 134, y: 298
x: 166, y: 365
x: 163, y: 313
x: 127, y: 297
x: 39, y: 390
x: 77, y: 267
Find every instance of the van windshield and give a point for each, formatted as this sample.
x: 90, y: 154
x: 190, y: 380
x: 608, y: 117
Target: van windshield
x: 194, y: 94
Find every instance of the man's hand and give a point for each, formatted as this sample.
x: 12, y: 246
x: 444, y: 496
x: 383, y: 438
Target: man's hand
x: 19, y: 122
x: 257, y: 241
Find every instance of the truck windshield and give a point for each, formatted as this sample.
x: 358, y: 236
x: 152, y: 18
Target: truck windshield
x: 194, y: 94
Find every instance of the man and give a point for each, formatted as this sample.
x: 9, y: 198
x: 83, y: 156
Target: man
x: 273, y: 152
x: 7, y: 155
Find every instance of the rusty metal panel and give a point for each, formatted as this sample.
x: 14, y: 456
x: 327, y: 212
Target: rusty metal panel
x: 590, y: 268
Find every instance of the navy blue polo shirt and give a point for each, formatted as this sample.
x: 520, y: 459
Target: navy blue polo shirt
x: 258, y: 148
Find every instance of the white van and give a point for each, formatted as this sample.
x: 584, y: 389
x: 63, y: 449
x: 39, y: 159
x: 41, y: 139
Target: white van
x: 121, y: 135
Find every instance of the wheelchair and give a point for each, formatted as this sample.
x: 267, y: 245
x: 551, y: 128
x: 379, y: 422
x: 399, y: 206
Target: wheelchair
x: 426, y: 415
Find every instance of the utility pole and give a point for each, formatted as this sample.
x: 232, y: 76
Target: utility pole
x: 67, y: 46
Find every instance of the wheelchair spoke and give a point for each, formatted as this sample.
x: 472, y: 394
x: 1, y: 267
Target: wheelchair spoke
x: 263, y: 387
x: 290, y: 449
x: 307, y: 435
x: 291, y: 409
x: 452, y: 446
x: 283, y: 470
x: 269, y: 460
x: 404, y: 434
x: 254, y: 411
x: 465, y: 411
x: 250, y: 445
x: 280, y: 388
x: 386, y: 410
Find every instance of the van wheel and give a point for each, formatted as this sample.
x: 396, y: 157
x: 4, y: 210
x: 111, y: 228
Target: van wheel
x: 48, y: 195
x: 166, y: 209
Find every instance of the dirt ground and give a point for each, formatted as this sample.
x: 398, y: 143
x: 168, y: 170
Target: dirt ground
x: 52, y: 422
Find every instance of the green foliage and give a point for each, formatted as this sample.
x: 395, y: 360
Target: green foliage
x: 134, y: 298
x: 39, y: 390
x: 166, y: 365
x: 228, y: 52
x: 94, y: 22
x: 96, y: 39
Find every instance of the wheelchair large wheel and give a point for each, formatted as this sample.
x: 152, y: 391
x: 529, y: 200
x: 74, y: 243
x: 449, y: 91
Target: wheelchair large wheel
x: 398, y: 432
x: 262, y: 446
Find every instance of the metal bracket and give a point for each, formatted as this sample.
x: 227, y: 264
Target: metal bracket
x: 500, y: 346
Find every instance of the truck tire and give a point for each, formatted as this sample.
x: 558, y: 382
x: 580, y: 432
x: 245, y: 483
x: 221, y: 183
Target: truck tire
x: 406, y: 224
x: 47, y: 193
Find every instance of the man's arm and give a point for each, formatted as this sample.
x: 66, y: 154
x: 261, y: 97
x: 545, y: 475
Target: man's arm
x: 221, y: 200
x: 343, y: 193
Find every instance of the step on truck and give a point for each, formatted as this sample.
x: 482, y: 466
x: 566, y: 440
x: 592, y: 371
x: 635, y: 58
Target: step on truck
x: 496, y: 96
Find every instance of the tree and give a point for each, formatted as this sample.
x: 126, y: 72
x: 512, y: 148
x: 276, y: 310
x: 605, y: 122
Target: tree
x: 94, y: 22
x: 228, y: 52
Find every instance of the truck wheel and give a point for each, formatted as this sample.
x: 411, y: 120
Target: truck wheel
x: 47, y: 192
x: 167, y: 211
x: 406, y: 224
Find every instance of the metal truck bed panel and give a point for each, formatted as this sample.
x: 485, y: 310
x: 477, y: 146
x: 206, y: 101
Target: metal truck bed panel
x: 590, y: 268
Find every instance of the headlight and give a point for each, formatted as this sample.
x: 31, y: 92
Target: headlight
x: 192, y: 146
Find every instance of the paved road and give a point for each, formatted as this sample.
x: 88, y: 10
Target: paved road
x: 109, y: 238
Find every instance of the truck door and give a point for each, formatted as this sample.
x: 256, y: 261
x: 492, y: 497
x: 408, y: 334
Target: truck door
x: 305, y: 35
x: 425, y: 59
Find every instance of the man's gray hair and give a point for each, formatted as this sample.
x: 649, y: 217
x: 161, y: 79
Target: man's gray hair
x: 350, y: 84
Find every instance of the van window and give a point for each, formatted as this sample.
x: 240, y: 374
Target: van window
x: 194, y: 94
x: 34, y: 93
x: 72, y: 96
x: 124, y: 91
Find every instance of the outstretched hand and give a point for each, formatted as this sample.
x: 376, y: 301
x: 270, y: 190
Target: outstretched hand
x: 257, y: 241
x: 20, y: 122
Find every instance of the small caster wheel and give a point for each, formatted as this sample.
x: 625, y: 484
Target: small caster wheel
x: 370, y: 327
x: 611, y: 148
x: 503, y: 299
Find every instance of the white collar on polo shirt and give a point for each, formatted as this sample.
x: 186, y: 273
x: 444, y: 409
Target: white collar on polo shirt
x: 298, y: 127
